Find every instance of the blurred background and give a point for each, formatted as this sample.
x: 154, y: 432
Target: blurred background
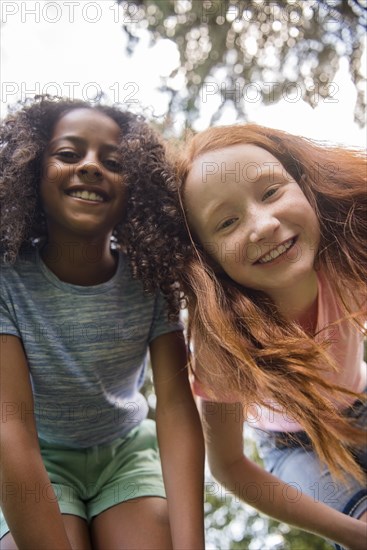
x: 297, y: 65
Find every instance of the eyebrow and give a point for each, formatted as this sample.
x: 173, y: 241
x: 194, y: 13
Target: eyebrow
x: 270, y: 177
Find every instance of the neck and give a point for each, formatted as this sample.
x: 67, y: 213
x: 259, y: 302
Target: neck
x: 299, y: 303
x: 80, y: 262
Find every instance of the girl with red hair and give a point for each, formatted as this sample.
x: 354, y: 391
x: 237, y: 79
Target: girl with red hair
x: 264, y: 236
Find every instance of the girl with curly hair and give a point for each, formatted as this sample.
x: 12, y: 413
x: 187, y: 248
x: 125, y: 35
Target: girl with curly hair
x: 267, y: 243
x: 80, y: 465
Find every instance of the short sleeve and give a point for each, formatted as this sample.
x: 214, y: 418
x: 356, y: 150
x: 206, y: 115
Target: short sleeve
x: 8, y: 318
x: 161, y: 324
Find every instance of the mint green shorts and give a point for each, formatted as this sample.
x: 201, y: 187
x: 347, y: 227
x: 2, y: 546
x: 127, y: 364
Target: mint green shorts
x: 87, y: 482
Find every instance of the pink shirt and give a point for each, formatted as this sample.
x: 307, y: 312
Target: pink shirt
x: 346, y: 349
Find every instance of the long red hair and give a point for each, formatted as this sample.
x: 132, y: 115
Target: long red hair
x: 241, y: 341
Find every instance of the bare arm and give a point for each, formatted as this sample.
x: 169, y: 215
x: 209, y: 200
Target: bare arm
x: 180, y: 441
x: 223, y: 429
x: 28, y: 500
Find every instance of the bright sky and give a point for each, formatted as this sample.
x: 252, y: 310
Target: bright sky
x: 77, y: 49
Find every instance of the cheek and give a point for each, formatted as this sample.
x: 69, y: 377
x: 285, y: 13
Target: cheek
x: 49, y: 191
x: 121, y: 207
x: 51, y: 173
x: 122, y: 196
x: 303, y: 211
x: 224, y: 257
x: 46, y: 198
x: 312, y: 222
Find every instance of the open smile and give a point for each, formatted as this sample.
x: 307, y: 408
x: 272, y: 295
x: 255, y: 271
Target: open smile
x: 277, y: 252
x: 86, y: 195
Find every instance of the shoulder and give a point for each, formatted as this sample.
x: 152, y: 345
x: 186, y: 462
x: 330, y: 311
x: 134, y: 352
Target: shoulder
x: 28, y: 256
x: 22, y: 275
x: 28, y: 260
x: 133, y: 286
x: 329, y: 298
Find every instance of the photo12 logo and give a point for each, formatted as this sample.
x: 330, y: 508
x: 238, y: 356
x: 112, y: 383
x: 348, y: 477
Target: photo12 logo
x: 71, y: 11
x: 120, y: 92
x: 253, y: 92
x: 250, y: 11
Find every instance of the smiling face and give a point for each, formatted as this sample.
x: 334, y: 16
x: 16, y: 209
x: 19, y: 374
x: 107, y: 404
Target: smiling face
x: 252, y: 218
x: 82, y: 189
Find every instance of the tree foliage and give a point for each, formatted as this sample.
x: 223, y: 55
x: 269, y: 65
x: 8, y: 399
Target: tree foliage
x: 244, y: 49
x: 231, y: 525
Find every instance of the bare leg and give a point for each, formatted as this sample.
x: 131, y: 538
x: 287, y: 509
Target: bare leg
x: 76, y: 528
x: 139, y: 524
x: 78, y: 532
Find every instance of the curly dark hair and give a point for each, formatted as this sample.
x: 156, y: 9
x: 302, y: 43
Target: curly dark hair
x: 24, y: 135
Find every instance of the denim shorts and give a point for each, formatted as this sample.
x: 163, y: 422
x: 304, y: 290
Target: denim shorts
x: 293, y: 461
x: 87, y: 482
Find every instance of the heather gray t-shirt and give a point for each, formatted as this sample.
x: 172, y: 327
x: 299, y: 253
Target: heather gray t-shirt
x: 86, y: 349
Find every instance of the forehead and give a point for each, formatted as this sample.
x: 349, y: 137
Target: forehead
x: 87, y: 123
x: 241, y: 163
x: 250, y: 161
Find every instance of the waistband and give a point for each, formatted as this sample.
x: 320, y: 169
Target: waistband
x: 282, y: 440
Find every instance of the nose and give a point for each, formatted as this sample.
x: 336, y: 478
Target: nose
x: 264, y: 225
x: 90, y: 170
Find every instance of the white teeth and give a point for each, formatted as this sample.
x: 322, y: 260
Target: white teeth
x: 87, y: 195
x: 276, y: 252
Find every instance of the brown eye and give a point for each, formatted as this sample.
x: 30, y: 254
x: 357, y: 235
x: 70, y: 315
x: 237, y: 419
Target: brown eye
x: 227, y: 223
x: 67, y: 156
x: 269, y: 193
x: 113, y: 165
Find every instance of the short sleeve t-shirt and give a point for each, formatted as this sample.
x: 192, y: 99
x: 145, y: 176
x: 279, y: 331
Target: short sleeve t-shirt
x: 86, y: 348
